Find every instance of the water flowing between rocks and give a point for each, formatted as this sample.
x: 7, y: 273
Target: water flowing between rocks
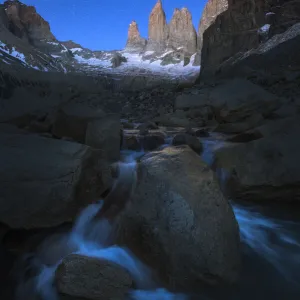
x: 270, y: 237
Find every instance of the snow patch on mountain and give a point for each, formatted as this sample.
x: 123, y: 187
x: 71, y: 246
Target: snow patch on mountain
x: 136, y: 64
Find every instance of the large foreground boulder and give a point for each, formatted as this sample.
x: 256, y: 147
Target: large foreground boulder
x: 92, y: 278
x: 46, y: 182
x: 178, y: 221
x: 266, y: 169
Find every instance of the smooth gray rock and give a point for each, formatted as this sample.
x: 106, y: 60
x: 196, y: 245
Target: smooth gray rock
x: 46, y: 182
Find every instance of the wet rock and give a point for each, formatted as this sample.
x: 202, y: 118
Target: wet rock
x: 91, y: 278
x: 105, y: 134
x: 245, y: 137
x: 46, y: 182
x: 238, y: 127
x: 152, y: 141
x: 172, y: 120
x: 187, y: 139
x: 72, y: 120
x: 266, y: 169
x: 178, y: 222
x: 147, y: 125
x: 131, y: 142
x: 127, y: 125
x: 9, y: 128
x: 202, y: 133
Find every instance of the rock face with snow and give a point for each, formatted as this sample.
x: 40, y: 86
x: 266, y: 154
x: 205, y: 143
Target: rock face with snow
x: 157, y: 28
x: 71, y: 44
x: 26, y: 23
x: 241, y: 26
x: 135, y: 42
x: 182, y: 32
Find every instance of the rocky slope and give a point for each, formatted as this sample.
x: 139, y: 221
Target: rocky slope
x: 26, y: 40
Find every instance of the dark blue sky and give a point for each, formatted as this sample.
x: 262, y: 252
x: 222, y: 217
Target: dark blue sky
x: 103, y: 24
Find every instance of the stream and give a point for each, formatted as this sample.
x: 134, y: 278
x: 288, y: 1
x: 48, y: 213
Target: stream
x: 270, y: 238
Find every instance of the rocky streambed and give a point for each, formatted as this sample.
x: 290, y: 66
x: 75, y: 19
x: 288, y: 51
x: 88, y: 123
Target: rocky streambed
x: 163, y: 231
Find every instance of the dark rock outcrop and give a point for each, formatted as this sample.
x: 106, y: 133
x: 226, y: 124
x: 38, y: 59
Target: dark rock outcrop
x: 157, y: 29
x: 211, y: 11
x: 71, y: 44
x: 266, y: 169
x: 135, y: 42
x: 26, y: 23
x: 46, y: 182
x: 182, y: 32
x: 239, y: 29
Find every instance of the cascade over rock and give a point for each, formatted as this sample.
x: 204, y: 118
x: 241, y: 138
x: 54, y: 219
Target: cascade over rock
x: 182, y: 32
x: 157, y: 28
x: 26, y: 23
x: 134, y: 41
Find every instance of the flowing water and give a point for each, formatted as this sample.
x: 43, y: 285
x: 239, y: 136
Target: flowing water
x: 271, y: 251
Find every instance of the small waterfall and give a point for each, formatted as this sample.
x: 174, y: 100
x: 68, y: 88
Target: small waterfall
x: 272, y: 239
x: 89, y: 237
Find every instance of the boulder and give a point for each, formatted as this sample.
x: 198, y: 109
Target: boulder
x: 266, y: 169
x: 104, y: 134
x: 242, y: 126
x: 46, y: 182
x: 187, y: 139
x: 147, y: 125
x: 83, y: 277
x: 231, y: 96
x: 152, y: 141
x: 172, y: 120
x: 131, y: 142
x: 117, y: 60
x: 72, y: 119
x: 178, y: 221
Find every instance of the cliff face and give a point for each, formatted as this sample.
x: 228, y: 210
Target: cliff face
x: 211, y: 11
x: 157, y: 28
x: 26, y: 23
x: 240, y: 28
x: 182, y: 32
x: 134, y: 41
x: 179, y: 33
